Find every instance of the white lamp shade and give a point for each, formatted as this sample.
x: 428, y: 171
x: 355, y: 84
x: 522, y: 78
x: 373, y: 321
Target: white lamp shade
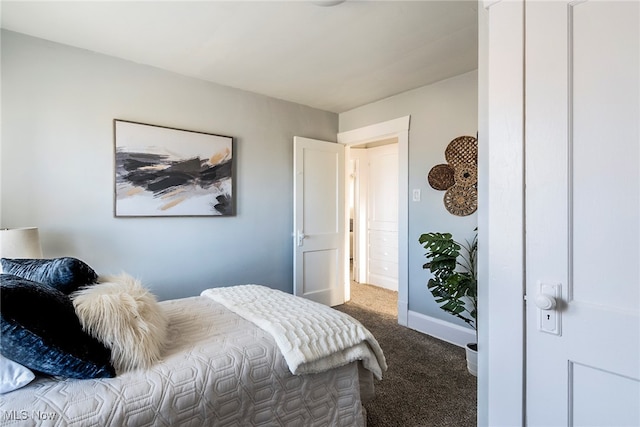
x: 20, y: 243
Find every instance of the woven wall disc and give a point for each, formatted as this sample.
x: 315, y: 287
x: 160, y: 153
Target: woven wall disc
x: 461, y: 201
x: 441, y: 177
x: 466, y: 174
x: 462, y: 150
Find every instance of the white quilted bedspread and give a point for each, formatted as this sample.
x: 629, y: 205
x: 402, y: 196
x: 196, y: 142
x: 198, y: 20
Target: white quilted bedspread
x: 219, y: 370
x: 312, y: 337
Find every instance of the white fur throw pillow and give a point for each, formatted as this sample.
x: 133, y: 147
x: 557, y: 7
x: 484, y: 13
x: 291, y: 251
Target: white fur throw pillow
x: 124, y: 316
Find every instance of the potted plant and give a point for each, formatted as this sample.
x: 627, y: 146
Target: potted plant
x: 454, y: 282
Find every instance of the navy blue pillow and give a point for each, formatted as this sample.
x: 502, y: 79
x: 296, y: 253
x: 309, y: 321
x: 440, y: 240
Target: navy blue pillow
x: 40, y: 330
x: 65, y: 274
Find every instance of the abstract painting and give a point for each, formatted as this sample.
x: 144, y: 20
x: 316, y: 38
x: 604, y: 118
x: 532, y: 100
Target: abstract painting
x: 162, y: 171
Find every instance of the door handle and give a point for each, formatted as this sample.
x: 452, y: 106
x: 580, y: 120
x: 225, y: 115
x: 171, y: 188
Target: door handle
x: 300, y: 237
x: 548, y: 301
x: 545, y: 302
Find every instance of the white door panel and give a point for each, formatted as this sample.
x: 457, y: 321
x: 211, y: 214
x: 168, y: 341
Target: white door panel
x: 583, y: 211
x: 593, y: 385
x: 319, y: 220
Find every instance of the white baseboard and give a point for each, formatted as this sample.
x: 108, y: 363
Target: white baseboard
x: 445, y: 331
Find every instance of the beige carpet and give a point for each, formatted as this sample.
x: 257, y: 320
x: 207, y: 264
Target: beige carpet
x: 427, y: 383
x: 373, y: 298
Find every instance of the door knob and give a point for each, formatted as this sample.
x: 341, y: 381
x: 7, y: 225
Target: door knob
x: 549, y: 303
x: 545, y: 302
x: 301, y: 237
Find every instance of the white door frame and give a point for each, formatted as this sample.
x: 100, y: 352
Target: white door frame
x: 501, y: 338
x: 396, y: 128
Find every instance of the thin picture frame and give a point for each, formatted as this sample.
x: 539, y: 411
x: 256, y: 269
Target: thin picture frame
x: 162, y: 171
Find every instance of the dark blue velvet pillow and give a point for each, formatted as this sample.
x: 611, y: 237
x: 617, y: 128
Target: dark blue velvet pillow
x: 65, y: 274
x: 40, y: 330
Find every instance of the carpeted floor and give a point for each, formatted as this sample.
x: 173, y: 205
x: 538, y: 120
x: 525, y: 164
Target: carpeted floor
x: 427, y: 383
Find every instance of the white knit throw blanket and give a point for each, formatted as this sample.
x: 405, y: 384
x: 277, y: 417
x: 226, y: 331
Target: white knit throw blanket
x: 312, y: 337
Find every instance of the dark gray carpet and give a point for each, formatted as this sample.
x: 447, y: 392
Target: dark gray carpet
x: 427, y: 383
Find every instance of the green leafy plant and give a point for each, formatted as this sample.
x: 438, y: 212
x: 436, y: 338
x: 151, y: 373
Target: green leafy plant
x: 453, y: 265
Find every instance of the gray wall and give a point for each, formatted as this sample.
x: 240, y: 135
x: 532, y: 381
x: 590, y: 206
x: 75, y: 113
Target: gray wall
x: 439, y: 113
x: 58, y: 104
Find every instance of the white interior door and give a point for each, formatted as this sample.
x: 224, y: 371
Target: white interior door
x: 319, y: 221
x: 583, y: 213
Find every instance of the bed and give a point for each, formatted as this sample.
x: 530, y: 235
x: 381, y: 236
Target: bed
x: 221, y: 367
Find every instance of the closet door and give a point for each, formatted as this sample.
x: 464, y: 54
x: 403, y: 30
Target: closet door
x: 583, y: 213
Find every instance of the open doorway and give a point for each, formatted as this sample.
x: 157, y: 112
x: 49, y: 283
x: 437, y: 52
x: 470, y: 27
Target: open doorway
x: 373, y: 225
x: 393, y: 133
x: 373, y: 213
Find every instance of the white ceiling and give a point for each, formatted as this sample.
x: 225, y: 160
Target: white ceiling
x: 333, y: 58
